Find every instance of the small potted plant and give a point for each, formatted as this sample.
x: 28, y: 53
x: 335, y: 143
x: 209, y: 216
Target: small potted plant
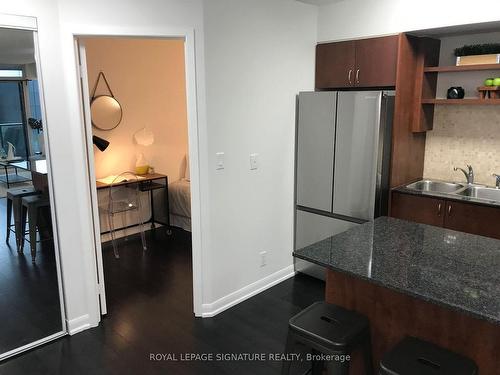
x: 478, y: 54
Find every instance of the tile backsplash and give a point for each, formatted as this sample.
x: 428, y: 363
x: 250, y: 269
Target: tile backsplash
x: 464, y: 135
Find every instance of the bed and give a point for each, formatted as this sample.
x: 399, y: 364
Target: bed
x: 179, y: 196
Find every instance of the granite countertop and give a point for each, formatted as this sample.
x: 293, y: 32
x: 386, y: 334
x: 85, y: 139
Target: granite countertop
x: 454, y: 269
x: 448, y: 196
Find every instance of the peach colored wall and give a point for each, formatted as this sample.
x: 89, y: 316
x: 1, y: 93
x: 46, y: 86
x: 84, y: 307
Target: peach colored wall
x: 147, y: 77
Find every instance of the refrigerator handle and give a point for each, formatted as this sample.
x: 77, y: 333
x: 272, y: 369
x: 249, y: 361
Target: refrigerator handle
x: 383, y: 157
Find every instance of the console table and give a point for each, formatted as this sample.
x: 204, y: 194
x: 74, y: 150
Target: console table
x: 147, y: 183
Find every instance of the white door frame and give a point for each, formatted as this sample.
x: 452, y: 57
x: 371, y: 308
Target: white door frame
x: 84, y: 85
x: 194, y: 148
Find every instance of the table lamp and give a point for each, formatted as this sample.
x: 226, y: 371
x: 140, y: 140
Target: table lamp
x: 100, y: 143
x: 143, y: 137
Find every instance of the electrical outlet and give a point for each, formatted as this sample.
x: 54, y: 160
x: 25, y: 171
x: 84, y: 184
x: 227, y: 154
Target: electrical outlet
x: 263, y: 258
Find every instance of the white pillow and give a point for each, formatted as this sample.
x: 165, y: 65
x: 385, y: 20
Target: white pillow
x: 187, y: 173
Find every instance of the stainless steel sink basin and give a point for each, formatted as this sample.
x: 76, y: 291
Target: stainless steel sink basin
x: 435, y: 186
x: 481, y: 192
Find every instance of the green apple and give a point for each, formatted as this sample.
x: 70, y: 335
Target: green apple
x: 496, y: 82
x: 488, y: 81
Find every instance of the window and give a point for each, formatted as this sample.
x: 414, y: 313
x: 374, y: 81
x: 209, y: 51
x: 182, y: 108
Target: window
x: 11, y: 73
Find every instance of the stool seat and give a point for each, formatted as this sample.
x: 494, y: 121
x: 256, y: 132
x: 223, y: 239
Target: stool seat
x: 332, y: 331
x: 20, y: 192
x: 413, y: 356
x: 36, y: 201
x: 334, y: 326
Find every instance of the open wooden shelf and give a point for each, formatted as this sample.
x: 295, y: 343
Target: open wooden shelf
x: 464, y: 68
x: 462, y: 101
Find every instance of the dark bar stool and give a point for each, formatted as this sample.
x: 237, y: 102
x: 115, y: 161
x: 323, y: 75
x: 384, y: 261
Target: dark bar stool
x: 413, y: 356
x: 33, y: 206
x: 332, y: 331
x: 14, y: 203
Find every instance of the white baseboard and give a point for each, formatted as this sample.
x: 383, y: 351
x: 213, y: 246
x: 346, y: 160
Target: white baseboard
x: 78, y: 324
x: 224, y: 303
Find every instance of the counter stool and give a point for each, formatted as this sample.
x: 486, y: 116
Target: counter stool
x: 413, y: 356
x: 331, y: 331
x: 14, y: 203
x: 32, y: 206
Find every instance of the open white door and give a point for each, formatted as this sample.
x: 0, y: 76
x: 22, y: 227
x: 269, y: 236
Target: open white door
x: 82, y: 59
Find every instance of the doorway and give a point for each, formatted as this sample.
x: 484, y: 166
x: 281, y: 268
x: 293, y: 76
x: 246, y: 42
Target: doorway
x: 141, y: 137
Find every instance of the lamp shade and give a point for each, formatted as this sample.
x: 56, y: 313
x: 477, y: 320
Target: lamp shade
x: 100, y: 143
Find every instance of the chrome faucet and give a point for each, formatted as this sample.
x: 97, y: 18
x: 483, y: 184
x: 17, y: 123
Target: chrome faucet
x: 469, y: 175
x: 497, y: 183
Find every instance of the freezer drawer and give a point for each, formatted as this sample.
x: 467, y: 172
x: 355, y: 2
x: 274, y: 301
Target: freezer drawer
x: 315, y: 149
x: 311, y: 228
x: 356, y: 153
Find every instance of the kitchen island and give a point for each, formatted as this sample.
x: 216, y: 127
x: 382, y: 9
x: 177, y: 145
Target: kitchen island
x: 413, y: 279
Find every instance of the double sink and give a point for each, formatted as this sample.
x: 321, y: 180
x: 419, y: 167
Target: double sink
x: 470, y: 191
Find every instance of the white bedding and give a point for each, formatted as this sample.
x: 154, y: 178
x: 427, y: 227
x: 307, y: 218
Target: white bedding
x: 179, y: 196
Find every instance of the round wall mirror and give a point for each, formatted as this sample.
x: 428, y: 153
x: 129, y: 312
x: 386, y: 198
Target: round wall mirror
x: 106, y: 112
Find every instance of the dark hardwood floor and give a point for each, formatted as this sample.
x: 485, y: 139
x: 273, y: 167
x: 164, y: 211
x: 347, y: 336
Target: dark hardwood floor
x: 150, y: 312
x: 29, y: 295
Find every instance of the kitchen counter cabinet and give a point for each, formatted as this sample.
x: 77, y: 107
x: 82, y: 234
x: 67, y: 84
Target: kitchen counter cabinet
x: 449, y: 213
x: 415, y: 279
x: 418, y: 209
x: 472, y: 218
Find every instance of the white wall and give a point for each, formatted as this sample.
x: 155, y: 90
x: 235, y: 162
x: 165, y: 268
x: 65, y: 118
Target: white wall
x: 147, y: 77
x: 350, y: 19
x: 259, y: 55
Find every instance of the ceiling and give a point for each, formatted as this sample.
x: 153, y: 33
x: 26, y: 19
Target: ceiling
x: 16, y: 47
x: 320, y: 2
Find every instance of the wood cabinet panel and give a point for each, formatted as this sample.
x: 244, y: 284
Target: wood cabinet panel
x: 473, y: 218
x: 376, y: 62
x: 418, y: 209
x: 394, y: 315
x: 333, y: 63
x: 408, y: 148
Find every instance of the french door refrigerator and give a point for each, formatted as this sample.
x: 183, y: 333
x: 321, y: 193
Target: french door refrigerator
x: 343, y: 142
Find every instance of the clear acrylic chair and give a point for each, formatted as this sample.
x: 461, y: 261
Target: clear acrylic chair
x: 124, y: 197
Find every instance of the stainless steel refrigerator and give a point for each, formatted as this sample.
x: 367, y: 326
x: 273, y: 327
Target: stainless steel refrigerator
x: 343, y: 143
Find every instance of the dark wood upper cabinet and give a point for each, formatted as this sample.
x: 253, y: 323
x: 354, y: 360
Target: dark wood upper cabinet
x: 418, y: 209
x: 473, y: 218
x: 360, y: 63
x: 376, y: 62
x: 335, y: 63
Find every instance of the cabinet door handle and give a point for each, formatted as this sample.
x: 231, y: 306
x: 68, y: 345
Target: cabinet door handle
x: 449, y: 210
x: 440, y: 206
x: 357, y: 76
x: 349, y: 76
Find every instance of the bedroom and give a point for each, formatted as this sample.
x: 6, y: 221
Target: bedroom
x: 140, y: 146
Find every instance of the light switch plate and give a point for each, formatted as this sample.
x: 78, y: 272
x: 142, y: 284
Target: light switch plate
x: 219, y: 161
x: 254, y: 161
